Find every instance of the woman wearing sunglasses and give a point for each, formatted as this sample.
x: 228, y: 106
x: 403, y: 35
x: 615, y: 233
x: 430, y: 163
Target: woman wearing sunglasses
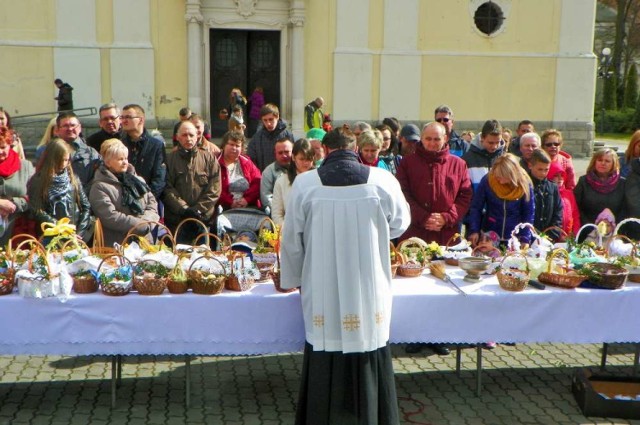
x: 552, y: 144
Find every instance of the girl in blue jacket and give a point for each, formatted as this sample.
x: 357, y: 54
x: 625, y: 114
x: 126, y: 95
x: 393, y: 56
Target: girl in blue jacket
x: 503, y: 199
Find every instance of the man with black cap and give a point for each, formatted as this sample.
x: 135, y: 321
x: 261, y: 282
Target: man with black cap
x: 409, y: 136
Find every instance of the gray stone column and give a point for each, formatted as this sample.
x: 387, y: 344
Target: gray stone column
x: 195, y: 73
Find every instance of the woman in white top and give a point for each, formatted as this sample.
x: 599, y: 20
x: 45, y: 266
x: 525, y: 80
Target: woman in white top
x: 302, y: 160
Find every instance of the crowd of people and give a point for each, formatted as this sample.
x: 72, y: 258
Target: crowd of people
x: 429, y: 183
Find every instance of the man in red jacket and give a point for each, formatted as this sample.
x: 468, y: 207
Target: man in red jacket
x: 437, y: 187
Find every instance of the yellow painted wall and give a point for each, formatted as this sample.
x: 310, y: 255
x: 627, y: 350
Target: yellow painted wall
x: 104, y: 36
x: 26, y: 85
x: 319, y: 44
x: 169, y: 38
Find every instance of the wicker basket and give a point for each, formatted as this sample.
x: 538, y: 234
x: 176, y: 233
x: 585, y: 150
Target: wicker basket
x: 116, y: 289
x: 561, y: 280
x: 205, y: 283
x: 178, y: 286
x: 233, y: 283
x: 563, y: 234
x: 275, y: 276
x: 41, y: 286
x: 409, y: 267
x: 397, y: 259
x: 166, y: 239
x: 510, y: 282
x: 265, y: 270
x: 224, y: 244
x: 7, y: 281
x: 147, y: 283
x: 85, y: 284
x: 98, y: 248
x: 635, y: 278
x: 605, y: 275
x: 453, y: 261
x: 599, y: 249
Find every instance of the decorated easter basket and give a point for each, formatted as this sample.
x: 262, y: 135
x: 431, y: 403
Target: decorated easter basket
x: 239, y: 278
x: 265, y: 253
x: 414, y: 257
x: 150, y: 277
x: 118, y: 280
x: 513, y: 279
x: 565, y: 278
x: 453, y: 253
x: 38, y: 280
x: 178, y: 279
x: 84, y: 281
x: 605, y: 275
x: 206, y: 282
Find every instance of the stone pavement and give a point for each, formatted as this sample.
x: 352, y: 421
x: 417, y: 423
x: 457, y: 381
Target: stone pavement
x: 523, y: 384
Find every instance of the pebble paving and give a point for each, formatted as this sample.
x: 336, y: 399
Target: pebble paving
x: 522, y: 384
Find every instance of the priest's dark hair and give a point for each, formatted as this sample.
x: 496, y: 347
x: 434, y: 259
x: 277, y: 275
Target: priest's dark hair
x: 339, y: 138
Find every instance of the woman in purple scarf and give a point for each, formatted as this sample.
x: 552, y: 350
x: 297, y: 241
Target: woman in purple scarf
x: 601, y: 187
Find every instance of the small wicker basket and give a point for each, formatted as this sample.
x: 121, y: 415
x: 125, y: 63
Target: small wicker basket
x: 7, y: 281
x: 40, y: 286
x: 409, y: 267
x: 178, y: 283
x: 85, y: 284
x: 605, y: 275
x: 509, y: 281
x: 453, y: 261
x: 148, y: 283
x: 265, y: 270
x: 205, y: 283
x: 561, y: 280
x: 275, y: 276
x: 116, y: 288
x: 233, y: 282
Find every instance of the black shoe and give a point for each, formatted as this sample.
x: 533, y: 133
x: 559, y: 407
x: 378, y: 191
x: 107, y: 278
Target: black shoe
x: 414, y: 347
x: 440, y: 349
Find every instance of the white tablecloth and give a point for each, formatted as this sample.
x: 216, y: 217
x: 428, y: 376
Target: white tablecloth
x: 263, y: 321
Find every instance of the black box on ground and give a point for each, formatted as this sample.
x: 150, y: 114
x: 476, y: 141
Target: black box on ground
x: 588, y: 389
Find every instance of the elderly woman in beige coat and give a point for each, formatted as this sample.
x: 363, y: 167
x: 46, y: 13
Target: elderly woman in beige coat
x: 119, y: 198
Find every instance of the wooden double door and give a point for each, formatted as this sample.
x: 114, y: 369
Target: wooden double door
x: 246, y: 60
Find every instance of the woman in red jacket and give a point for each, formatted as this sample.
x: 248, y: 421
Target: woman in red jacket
x: 240, y: 178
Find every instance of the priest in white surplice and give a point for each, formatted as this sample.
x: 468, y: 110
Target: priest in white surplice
x: 335, y: 247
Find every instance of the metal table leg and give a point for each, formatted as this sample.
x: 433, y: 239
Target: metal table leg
x: 113, y: 381
x: 603, y: 360
x: 119, y: 358
x: 458, y: 359
x: 478, y: 369
x: 187, y: 380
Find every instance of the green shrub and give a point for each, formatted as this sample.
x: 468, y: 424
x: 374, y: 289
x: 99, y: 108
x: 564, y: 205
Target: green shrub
x: 621, y: 121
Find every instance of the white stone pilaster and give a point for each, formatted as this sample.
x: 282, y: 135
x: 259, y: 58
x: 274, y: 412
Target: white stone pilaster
x: 297, y: 66
x: 195, y: 75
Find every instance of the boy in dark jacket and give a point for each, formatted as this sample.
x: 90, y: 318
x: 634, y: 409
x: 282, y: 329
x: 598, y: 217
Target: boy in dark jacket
x: 548, y: 203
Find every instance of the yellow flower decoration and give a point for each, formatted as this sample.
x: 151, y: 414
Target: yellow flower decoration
x: 61, y: 228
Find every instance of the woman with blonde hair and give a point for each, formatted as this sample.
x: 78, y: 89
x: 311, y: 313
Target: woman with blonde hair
x: 369, y: 146
x: 601, y: 188
x: 120, y: 198
x: 55, y: 193
x: 505, y: 195
x: 49, y: 135
x: 632, y: 152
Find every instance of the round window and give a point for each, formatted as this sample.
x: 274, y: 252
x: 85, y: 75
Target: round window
x: 488, y: 17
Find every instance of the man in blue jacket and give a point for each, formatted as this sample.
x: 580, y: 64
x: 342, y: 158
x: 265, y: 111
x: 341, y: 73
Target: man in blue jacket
x: 444, y: 115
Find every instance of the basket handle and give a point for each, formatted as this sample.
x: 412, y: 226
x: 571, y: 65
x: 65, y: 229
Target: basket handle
x: 208, y: 237
x: 150, y: 224
x: 586, y: 226
x: 625, y: 221
x: 200, y: 225
x: 556, y: 252
x: 399, y: 256
x: 209, y: 256
x: 39, y: 249
x: 274, y: 227
x: 516, y: 254
x: 563, y: 233
x: 18, y: 239
x: 98, y: 234
x: 122, y: 260
x: 453, y: 238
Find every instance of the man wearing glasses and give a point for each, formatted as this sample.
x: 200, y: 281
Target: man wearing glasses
x: 84, y: 159
x: 110, y: 127
x: 457, y: 146
x: 146, y: 153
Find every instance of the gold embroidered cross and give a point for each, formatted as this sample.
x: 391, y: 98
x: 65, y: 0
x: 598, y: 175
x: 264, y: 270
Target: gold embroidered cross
x: 318, y: 320
x: 379, y: 317
x: 351, y: 322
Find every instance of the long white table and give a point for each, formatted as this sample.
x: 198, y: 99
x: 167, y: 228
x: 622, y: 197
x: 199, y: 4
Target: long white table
x: 263, y: 321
